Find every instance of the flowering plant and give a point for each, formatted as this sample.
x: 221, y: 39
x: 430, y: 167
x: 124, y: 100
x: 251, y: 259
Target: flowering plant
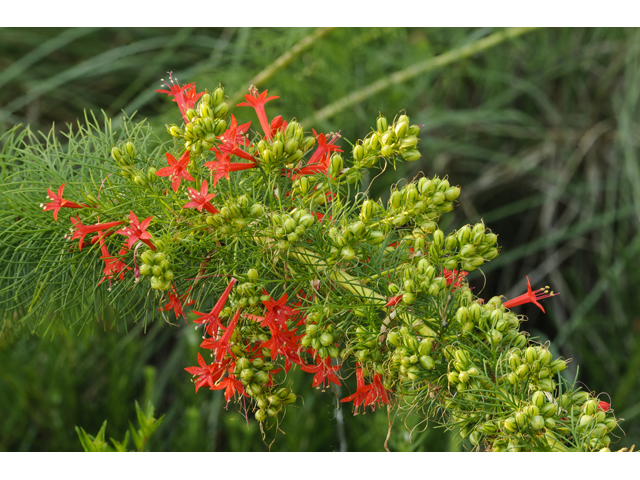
x: 268, y: 228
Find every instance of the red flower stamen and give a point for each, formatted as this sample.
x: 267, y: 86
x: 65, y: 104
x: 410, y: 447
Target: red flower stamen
x: 530, y: 297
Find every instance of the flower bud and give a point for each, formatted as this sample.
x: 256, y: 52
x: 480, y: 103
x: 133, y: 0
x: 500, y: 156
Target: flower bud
x: 531, y: 355
x: 452, y: 193
x: 381, y: 124
x: 546, y: 384
x: 221, y: 110
x: 537, y: 422
x: 336, y: 164
x: 511, y: 425
x: 348, y: 253
x: 411, y: 155
x: 438, y: 238
x: 326, y: 339
x: 358, y: 153
x: 427, y: 362
x: 538, y: 399
x: 218, y: 96
x: 402, y: 128
x: 308, y: 143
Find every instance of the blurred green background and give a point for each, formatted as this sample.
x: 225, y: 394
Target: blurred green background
x: 541, y: 131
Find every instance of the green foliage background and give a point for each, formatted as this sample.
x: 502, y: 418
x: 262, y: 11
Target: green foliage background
x: 540, y: 131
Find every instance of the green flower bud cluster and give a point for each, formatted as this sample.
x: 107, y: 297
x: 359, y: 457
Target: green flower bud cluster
x: 400, y: 138
x: 125, y: 154
x: 288, y: 229
x: 346, y: 240
x: 271, y: 402
x: 284, y: 148
x: 320, y: 337
x: 206, y: 122
x: 235, y: 215
x: 365, y: 348
x: 253, y: 375
x: 534, y: 363
x: 469, y: 248
x: 157, y: 266
x: 420, y: 203
x: 247, y: 293
x: 411, y: 358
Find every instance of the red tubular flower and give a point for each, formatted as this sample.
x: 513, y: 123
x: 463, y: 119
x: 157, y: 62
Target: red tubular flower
x: 184, y: 96
x: 232, y: 137
x: 175, y: 302
x: 223, y: 166
x: 360, y: 395
x: 207, y: 374
x: 378, y: 394
x: 454, y: 277
x: 530, y: 297
x: 201, y: 199
x: 231, y: 385
x: 83, y: 230
x: 112, y: 266
x: 277, y: 311
x: 211, y: 320
x: 57, y: 202
x: 323, y: 371
x: 177, y: 170
x: 137, y: 231
x: 257, y: 102
x: 319, y: 161
x: 604, y: 406
x: 221, y: 347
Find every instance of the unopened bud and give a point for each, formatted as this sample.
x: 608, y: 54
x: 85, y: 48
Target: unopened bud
x: 381, y: 124
x: 411, y: 155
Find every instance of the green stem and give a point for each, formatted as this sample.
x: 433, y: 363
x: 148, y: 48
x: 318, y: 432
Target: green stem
x: 282, y: 61
x: 415, y: 70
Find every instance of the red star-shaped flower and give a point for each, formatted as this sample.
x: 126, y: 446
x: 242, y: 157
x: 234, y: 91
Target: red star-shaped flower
x: 175, y: 302
x: 112, y: 266
x: 231, y: 138
x: 257, y: 101
x: 378, y: 394
x: 277, y: 312
x: 222, y: 166
x: 319, y: 161
x: 207, y: 374
x: 231, y: 385
x: 323, y: 371
x: 137, y: 231
x: 80, y: 230
x: 57, y: 202
x: 177, y: 170
x: 530, y: 297
x: 360, y: 395
x: 201, y: 199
